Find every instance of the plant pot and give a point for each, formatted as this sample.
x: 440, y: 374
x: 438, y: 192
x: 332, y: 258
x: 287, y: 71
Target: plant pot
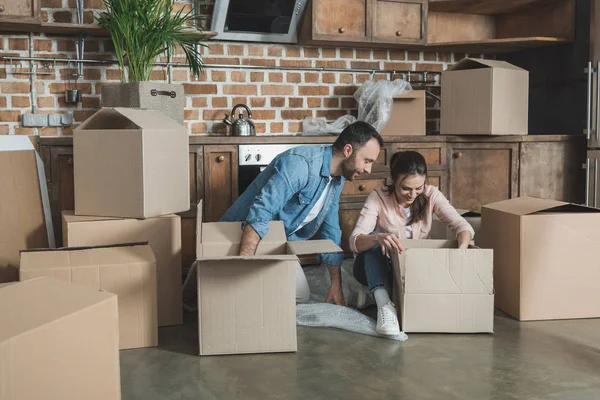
x: 164, y: 97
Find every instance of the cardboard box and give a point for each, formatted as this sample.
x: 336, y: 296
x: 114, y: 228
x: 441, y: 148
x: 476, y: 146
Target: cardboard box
x: 408, y: 115
x: 131, y: 163
x: 440, y: 231
x: 58, y: 341
x: 440, y: 288
x: 484, y: 97
x: 129, y: 271
x: 25, y: 216
x: 545, y: 256
x: 163, y: 234
x: 248, y: 304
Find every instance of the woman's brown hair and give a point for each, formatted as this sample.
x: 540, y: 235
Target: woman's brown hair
x: 402, y: 165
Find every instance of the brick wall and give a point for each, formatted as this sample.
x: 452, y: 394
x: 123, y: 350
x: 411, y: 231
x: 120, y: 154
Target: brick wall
x: 279, y: 100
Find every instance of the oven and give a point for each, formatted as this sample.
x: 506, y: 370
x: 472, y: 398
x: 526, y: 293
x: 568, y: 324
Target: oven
x: 254, y: 158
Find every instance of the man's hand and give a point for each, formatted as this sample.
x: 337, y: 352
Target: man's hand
x: 335, y: 295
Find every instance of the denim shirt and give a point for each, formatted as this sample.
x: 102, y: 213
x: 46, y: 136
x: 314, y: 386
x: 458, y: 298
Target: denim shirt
x: 286, y: 191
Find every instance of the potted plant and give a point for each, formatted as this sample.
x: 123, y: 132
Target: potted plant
x: 141, y: 31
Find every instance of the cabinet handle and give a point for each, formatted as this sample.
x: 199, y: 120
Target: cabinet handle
x: 341, y: 30
x: 362, y: 187
x: 398, y: 33
x: 220, y: 158
x: 458, y: 155
x: 70, y: 161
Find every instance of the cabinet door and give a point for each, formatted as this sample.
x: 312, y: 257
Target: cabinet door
x: 188, y: 218
x: 434, y: 153
x: 399, y: 21
x: 19, y: 8
x: 348, y: 216
x: 341, y: 20
x: 592, y: 191
x: 482, y: 173
x: 220, y: 180
x: 61, y: 186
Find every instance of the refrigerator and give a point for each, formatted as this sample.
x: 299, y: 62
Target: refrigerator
x: 592, y: 131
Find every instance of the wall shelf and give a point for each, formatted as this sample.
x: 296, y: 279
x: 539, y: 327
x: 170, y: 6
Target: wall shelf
x: 487, y: 7
x: 495, y: 45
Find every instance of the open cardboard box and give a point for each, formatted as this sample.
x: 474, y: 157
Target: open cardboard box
x: 407, y: 117
x: 440, y: 288
x: 440, y: 231
x: 248, y: 304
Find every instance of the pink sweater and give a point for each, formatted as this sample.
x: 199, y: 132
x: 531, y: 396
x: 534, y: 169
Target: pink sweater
x: 381, y: 213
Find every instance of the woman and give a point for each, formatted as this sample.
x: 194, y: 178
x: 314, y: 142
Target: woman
x: 402, y: 210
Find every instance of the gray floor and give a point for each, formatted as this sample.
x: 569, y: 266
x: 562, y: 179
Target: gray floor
x: 535, y: 360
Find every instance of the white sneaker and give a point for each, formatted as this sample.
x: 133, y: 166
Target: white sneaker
x: 387, y: 320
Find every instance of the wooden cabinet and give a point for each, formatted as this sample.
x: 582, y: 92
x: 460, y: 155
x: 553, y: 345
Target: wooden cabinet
x: 592, y: 195
x: 26, y: 10
x: 399, y: 21
x: 221, y: 180
x: 60, y: 186
x: 482, y: 173
x: 341, y: 20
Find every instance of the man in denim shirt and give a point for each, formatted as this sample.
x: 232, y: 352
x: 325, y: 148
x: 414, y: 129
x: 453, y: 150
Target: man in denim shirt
x: 301, y: 187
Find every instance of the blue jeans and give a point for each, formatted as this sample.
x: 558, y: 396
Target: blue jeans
x: 374, y: 269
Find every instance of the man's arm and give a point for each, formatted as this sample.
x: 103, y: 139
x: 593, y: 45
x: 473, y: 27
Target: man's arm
x: 250, y: 241
x: 331, y: 230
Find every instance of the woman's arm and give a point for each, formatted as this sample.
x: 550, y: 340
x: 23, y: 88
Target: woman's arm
x: 451, y: 218
x: 464, y: 239
x: 384, y: 240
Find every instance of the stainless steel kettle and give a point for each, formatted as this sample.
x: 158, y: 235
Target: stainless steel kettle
x: 240, y: 126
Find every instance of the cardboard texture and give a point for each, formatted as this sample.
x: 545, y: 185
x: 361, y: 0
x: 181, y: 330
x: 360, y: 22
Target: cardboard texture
x: 129, y: 271
x: 545, y: 257
x: 248, y: 304
x: 484, y: 97
x: 58, y: 341
x: 163, y: 234
x: 440, y: 231
x: 131, y: 163
x: 25, y: 217
x: 408, y: 115
x: 439, y: 288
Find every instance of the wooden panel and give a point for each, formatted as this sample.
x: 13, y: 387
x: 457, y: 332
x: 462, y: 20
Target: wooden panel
x: 397, y: 21
x: 196, y: 174
x: 188, y: 241
x: 593, y: 179
x: 382, y: 158
x: 482, y: 174
x: 482, y: 6
x: 220, y: 180
x: 18, y: 8
x: 341, y: 20
x: 552, y: 20
x: 62, y: 188
x: 361, y: 187
x: 553, y: 171
x: 348, y: 216
x: 495, y: 45
x: 446, y: 27
x: 434, y: 154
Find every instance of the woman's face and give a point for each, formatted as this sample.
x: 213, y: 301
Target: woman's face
x: 409, y: 188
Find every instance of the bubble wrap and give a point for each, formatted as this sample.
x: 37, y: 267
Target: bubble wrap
x: 318, y: 314
x: 375, y: 99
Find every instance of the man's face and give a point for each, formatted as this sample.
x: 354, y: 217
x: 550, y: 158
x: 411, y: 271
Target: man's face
x: 360, y: 161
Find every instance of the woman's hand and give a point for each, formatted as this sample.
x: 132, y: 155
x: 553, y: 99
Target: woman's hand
x: 388, y: 241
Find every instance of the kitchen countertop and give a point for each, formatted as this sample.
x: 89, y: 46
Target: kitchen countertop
x: 294, y: 139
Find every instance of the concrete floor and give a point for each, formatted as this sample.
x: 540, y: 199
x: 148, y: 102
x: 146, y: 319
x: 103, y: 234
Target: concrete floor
x: 535, y: 360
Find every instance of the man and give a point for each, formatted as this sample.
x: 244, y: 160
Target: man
x: 301, y: 187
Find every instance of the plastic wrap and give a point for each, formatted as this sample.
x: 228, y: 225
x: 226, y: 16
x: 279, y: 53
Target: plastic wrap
x: 375, y: 99
x: 319, y: 126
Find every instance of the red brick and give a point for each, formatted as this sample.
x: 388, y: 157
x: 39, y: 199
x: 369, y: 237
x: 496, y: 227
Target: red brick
x: 17, y: 44
x: 91, y: 46
x: 429, y: 56
x: 445, y: 57
x: 275, y: 51
x: 42, y: 45
x: 294, y: 77
x: 44, y: 16
x: 200, y: 101
x: 48, y: 131
x: 235, y: 50
x: 113, y: 74
x: 88, y: 17
x: 257, y: 76
x: 311, y: 52
x: 344, y: 90
x: 397, y: 55
x: 314, y: 102
x: 81, y: 115
x: 20, y: 101
x: 328, y: 53
x: 348, y: 102
x: 276, y: 127
x: 256, y: 51
x: 313, y: 90
x: 92, y: 74
x: 261, y: 62
x: 258, y: 102
x: 218, y: 76
x: 363, y: 54
x: 158, y: 75
x: 346, y: 78
x: 263, y: 114
x: 68, y: 131
x: 430, y: 67
x: 2, y: 72
x: 96, y: 4
x: 332, y: 102
x: 62, y: 16
x: 190, y: 114
x: 219, y: 102
x: 331, y: 115
x: 296, y: 102
x: 180, y: 75
x: 199, y: 88
x: 261, y: 127
x: 295, y: 127
x: 296, y: 114
x: 16, y: 87
x: 4, y: 129
x: 328, y: 77
x: 347, y: 53
x: 365, y: 64
x: 397, y: 66
x: 413, y: 55
x: 362, y: 78
x: 199, y: 127
x: 292, y: 52
x: 214, y: 115
x: 10, y: 116
x: 216, y: 49
x: 3, y: 102
x: 296, y: 63
x: 380, y: 55
x: 90, y: 102
x: 222, y: 60
x: 311, y: 77
x: 24, y: 131
x: 277, y: 101
x: 269, y: 90
x: 44, y: 102
x: 331, y: 64
x: 240, y: 89
x: 65, y: 45
x: 239, y: 100
x: 275, y: 77
x: 238, y: 76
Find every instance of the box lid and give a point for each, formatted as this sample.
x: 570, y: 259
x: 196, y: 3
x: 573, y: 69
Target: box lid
x: 479, y: 63
x: 308, y: 247
x: 413, y: 94
x: 70, y: 217
x: 28, y: 305
x: 109, y: 118
x: 526, y: 205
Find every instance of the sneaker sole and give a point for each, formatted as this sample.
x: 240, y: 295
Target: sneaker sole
x: 391, y: 332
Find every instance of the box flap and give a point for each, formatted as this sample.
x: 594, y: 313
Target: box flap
x: 524, y: 205
x: 28, y: 305
x: 70, y: 217
x: 413, y: 94
x: 231, y: 232
x: 108, y: 119
x: 307, y: 247
x: 468, y: 213
x: 478, y: 63
x: 15, y: 143
x: 282, y: 257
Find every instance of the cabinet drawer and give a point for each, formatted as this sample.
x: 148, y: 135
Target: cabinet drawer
x: 399, y: 21
x: 340, y: 20
x: 362, y: 187
x: 434, y: 153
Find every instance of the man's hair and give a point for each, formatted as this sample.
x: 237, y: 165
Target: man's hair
x: 356, y: 134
